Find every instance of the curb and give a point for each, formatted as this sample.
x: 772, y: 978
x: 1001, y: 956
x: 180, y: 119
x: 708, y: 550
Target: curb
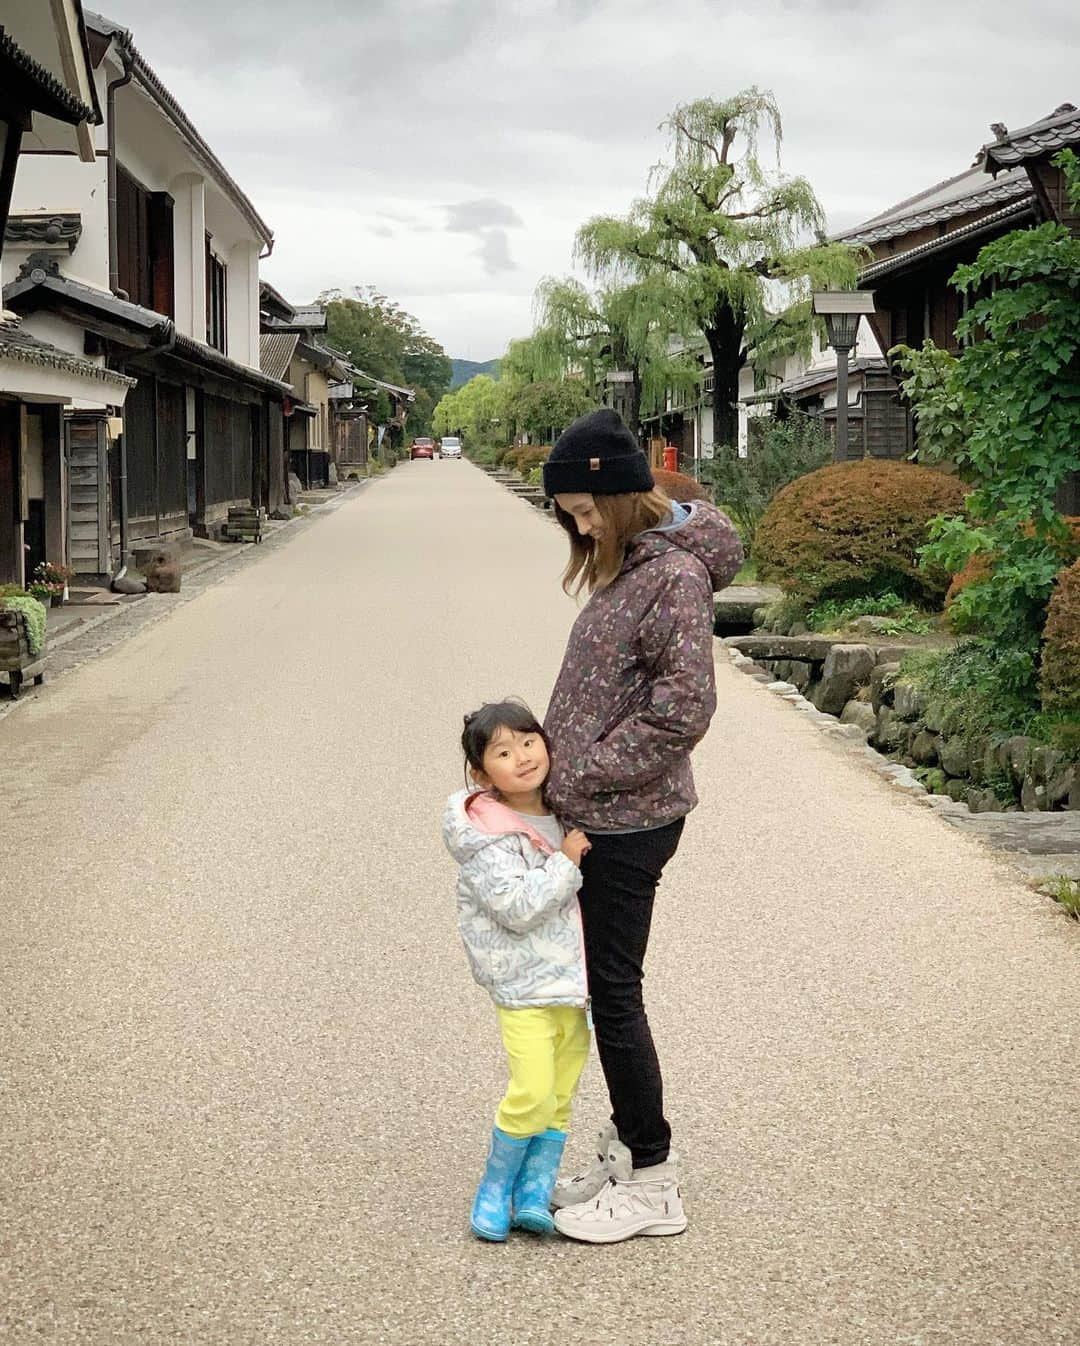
x: 897, y: 775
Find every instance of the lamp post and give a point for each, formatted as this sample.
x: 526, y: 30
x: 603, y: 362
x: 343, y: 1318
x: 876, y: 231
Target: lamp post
x: 841, y: 310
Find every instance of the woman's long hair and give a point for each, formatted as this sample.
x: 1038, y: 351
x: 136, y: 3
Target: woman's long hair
x: 593, y: 565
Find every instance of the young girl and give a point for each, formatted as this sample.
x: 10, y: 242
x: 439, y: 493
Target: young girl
x: 518, y: 916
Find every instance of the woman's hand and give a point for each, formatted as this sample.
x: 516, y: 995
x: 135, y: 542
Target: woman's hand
x: 575, y: 845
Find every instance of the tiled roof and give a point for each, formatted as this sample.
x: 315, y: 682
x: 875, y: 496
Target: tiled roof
x: 1013, y: 215
x: 274, y: 302
x: 40, y: 285
x: 16, y: 344
x: 1056, y: 132
x: 407, y: 393
x: 945, y: 201
x: 151, y: 333
x: 54, y: 100
x: 312, y: 316
x: 276, y: 351
x: 202, y: 151
x: 822, y: 377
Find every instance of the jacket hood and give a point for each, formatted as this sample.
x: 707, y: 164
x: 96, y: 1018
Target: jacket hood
x: 707, y: 534
x: 475, y: 818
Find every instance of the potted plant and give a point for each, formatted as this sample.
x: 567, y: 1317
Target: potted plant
x: 22, y: 637
x: 53, y: 580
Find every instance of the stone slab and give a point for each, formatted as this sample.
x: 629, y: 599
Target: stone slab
x: 737, y: 604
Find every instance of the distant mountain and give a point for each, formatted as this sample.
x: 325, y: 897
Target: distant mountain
x: 464, y: 370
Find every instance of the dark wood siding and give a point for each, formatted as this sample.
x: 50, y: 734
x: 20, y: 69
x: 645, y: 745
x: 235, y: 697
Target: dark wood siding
x: 11, y: 512
x: 155, y: 429
x: 228, y: 451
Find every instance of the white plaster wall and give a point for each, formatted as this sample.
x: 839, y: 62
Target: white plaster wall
x: 189, y: 254
x: 52, y: 183
x: 243, y: 310
x: 153, y: 152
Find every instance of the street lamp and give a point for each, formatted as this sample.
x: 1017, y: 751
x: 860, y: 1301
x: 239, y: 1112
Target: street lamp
x: 841, y: 310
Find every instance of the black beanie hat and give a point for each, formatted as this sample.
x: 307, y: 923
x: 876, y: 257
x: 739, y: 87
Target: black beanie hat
x: 597, y: 455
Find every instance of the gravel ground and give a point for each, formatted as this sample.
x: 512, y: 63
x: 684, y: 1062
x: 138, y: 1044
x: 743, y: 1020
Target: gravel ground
x: 246, y: 1079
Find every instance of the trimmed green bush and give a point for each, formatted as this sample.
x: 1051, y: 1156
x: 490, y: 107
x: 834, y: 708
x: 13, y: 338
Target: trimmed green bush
x: 856, y: 528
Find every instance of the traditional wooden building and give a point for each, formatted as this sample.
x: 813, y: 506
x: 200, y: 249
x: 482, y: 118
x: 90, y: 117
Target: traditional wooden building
x: 1033, y: 149
x: 46, y: 91
x: 293, y: 350
x: 146, y: 261
x: 919, y: 243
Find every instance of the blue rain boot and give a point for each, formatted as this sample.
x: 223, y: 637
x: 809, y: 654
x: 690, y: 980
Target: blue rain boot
x: 536, y: 1181
x: 490, y: 1218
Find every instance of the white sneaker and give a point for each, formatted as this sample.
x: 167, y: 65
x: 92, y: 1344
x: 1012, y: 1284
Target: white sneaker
x: 584, y: 1186
x: 647, y: 1201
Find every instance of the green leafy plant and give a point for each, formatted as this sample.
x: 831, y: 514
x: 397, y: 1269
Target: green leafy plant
x: 1006, y: 412
x: 969, y: 690
x: 833, y: 614
x: 777, y: 453
x: 1066, y: 891
x: 718, y: 223
x: 14, y: 599
x: 784, y: 613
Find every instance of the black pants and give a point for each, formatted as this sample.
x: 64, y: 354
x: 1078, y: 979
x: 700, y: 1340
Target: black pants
x: 620, y: 875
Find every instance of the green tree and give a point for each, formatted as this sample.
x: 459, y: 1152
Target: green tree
x: 718, y: 226
x: 617, y: 328
x: 545, y: 409
x: 474, y: 410
x: 1006, y: 412
x: 381, y: 338
x: 778, y: 452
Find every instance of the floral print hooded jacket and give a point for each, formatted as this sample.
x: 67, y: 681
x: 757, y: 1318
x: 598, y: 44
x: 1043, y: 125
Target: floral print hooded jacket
x: 637, y: 688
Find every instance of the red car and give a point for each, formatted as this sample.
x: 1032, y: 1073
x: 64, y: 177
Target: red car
x: 422, y: 448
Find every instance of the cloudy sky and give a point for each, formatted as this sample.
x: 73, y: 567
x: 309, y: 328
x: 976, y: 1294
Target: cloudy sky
x: 445, y: 151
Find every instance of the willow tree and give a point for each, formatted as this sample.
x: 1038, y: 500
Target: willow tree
x: 617, y: 328
x: 720, y: 227
x: 473, y: 410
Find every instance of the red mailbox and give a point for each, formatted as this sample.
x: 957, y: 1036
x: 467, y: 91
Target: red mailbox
x: 671, y: 458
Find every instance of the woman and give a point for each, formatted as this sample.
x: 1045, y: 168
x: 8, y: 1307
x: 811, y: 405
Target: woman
x: 635, y: 694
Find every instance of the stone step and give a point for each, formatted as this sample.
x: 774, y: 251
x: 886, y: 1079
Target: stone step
x: 736, y: 605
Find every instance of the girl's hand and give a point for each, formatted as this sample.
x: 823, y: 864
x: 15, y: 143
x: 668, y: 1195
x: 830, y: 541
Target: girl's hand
x: 575, y: 845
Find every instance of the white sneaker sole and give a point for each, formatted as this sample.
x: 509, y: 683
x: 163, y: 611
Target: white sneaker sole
x: 598, y: 1233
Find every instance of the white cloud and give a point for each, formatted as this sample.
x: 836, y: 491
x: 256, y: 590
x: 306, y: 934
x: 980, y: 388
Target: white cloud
x: 353, y: 131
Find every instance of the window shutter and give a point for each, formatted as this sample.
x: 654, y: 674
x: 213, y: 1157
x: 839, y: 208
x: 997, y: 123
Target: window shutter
x: 162, y: 283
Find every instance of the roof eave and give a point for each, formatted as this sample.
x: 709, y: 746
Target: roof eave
x: 183, y: 125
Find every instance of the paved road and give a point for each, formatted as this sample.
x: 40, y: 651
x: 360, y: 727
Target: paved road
x: 246, y: 1079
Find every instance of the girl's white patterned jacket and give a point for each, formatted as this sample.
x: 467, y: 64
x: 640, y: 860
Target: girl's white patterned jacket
x: 517, y: 905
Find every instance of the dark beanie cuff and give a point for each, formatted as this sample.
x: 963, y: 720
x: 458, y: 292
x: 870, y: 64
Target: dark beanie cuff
x: 619, y: 475
x: 597, y: 455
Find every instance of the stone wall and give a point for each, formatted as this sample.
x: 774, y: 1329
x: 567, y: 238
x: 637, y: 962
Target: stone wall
x: 861, y: 685
x: 989, y: 775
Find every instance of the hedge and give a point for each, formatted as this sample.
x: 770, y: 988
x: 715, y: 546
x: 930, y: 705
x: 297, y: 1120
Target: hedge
x: 856, y: 528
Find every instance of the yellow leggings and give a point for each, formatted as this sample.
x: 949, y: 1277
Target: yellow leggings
x: 546, y: 1050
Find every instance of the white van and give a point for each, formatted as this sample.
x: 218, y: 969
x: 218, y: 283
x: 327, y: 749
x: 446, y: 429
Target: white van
x: 449, y: 447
